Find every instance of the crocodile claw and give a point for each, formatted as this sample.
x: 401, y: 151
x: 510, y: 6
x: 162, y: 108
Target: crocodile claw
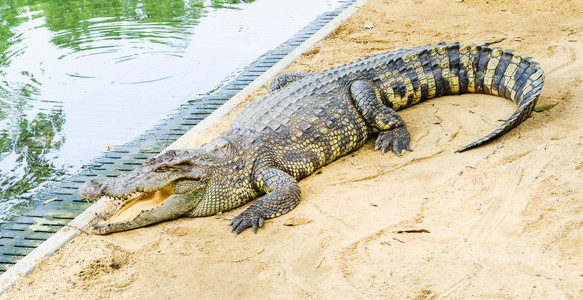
x: 395, y: 140
x: 245, y: 220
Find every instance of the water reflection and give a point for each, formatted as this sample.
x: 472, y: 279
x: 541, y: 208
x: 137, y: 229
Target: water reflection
x: 27, y: 154
x: 78, y: 76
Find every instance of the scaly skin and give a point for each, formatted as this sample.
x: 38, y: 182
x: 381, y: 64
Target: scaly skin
x: 305, y: 122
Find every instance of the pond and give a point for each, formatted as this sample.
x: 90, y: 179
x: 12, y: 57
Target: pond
x: 77, y: 77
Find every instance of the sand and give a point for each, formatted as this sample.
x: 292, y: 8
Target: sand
x: 501, y: 221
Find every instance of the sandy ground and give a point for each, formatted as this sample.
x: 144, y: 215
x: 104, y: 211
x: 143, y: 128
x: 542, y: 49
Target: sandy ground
x: 501, y: 221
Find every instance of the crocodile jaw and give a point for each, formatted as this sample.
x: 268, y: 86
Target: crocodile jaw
x: 145, y: 208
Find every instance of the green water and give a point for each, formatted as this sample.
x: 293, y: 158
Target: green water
x: 77, y: 77
x: 31, y: 120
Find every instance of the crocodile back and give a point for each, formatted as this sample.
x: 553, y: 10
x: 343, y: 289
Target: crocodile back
x: 319, y: 107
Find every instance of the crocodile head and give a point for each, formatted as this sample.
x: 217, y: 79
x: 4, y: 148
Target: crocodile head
x: 163, y: 188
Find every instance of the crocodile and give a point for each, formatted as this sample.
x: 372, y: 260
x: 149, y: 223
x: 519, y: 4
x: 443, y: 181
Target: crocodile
x: 305, y: 121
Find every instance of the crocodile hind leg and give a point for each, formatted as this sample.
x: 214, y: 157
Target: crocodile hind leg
x: 393, y: 132
x: 282, y: 194
x: 285, y: 79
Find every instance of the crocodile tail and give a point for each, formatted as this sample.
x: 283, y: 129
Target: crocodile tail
x: 407, y: 77
x: 498, y: 72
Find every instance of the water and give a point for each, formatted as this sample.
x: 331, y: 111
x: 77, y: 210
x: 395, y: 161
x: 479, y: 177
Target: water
x: 77, y: 77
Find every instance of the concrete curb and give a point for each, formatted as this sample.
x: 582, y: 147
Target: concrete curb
x: 28, y: 263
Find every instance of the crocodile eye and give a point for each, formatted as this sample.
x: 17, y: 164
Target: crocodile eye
x: 162, y: 169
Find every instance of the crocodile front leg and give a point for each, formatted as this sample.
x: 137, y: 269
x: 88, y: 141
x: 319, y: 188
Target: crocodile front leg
x: 282, y: 194
x: 393, y: 132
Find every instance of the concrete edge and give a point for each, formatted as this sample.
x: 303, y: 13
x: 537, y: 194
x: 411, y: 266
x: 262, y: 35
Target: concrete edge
x: 47, y: 248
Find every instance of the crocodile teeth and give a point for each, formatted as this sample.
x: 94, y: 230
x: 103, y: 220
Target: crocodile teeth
x: 124, y: 197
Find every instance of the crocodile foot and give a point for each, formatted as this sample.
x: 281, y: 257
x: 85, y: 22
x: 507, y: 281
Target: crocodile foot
x: 395, y: 140
x: 246, y: 219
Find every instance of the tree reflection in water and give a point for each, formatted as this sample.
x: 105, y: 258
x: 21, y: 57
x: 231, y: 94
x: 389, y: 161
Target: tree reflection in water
x: 32, y: 119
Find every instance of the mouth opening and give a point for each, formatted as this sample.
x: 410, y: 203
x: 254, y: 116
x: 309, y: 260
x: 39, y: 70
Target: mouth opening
x: 132, y: 207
